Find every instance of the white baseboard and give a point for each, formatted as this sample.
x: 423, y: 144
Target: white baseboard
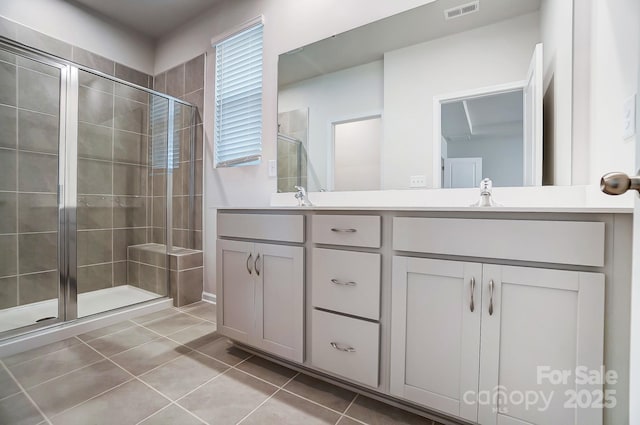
x: 209, y: 297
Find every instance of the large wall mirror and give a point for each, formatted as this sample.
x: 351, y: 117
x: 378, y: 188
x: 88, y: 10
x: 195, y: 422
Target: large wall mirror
x: 442, y: 95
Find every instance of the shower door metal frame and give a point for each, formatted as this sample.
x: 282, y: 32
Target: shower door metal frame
x: 62, y: 231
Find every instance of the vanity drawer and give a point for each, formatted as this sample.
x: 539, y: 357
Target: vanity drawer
x: 346, y: 347
x: 273, y: 227
x: 560, y: 242
x: 346, y: 281
x: 350, y: 230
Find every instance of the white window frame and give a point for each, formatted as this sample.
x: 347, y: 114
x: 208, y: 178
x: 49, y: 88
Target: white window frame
x: 256, y: 158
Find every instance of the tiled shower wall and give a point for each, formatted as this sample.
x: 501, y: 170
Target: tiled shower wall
x: 292, y: 157
x: 113, y: 188
x: 186, y: 81
x: 29, y: 117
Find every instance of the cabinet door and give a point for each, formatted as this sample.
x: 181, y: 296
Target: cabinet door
x: 540, y: 318
x: 435, y: 333
x: 279, y: 300
x: 236, y: 289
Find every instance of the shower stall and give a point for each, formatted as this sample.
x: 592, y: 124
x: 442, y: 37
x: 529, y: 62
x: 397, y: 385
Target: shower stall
x: 89, y: 166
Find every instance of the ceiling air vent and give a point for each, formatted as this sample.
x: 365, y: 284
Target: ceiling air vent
x: 463, y: 9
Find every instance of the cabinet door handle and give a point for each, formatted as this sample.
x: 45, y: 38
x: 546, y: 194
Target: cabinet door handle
x: 342, y: 282
x: 248, y: 261
x: 472, y: 306
x: 338, y: 230
x: 491, y: 285
x: 344, y: 348
x: 255, y: 265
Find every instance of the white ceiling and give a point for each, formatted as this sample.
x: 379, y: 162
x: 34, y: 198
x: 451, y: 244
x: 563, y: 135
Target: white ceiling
x: 152, y: 18
x: 369, y: 42
x: 483, y: 118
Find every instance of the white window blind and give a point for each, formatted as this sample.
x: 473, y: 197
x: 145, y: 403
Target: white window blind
x: 238, y: 98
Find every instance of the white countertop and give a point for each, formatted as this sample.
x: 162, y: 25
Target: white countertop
x: 572, y: 210
x: 546, y: 199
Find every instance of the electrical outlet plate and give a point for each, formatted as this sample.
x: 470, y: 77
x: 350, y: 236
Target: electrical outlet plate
x: 629, y: 118
x: 417, y: 181
x: 273, y: 168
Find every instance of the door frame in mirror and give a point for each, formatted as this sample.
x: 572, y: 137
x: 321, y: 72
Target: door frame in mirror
x: 367, y: 115
x: 439, y: 100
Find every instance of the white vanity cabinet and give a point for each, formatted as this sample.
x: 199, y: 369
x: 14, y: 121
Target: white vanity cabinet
x: 462, y: 315
x: 261, y: 293
x: 540, y: 318
x: 345, y: 295
x: 463, y: 333
x: 435, y: 333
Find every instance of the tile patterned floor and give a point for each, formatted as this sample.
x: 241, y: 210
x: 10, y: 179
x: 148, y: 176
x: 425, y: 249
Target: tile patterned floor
x: 171, y: 368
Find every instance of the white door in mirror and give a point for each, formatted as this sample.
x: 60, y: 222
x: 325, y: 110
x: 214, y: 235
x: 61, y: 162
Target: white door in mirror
x: 462, y: 172
x: 532, y: 106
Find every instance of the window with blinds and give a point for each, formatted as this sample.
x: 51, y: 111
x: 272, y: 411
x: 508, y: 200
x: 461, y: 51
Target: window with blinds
x: 238, y: 99
x: 164, y: 151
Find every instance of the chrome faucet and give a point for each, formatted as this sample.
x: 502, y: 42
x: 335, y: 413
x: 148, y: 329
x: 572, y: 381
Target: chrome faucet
x: 486, y: 185
x: 301, y: 196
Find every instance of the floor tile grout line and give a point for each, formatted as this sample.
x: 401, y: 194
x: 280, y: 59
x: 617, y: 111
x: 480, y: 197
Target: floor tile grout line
x: 133, y: 377
x: 63, y: 375
x: 46, y: 354
x: 347, y: 409
x: 136, y: 378
x: 268, y: 398
x: 179, y: 330
x: 355, y: 420
x: 147, y: 371
x: 314, y: 402
x: 46, y: 418
x: 259, y: 378
x: 93, y: 397
x: 109, y: 334
x: 159, y: 336
x: 9, y: 396
x: 173, y: 403
x: 128, y: 349
x: 215, y: 377
x: 154, y: 413
x: 197, y: 317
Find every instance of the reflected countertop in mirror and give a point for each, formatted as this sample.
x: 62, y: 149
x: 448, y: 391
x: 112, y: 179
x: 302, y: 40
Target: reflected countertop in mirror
x: 375, y: 108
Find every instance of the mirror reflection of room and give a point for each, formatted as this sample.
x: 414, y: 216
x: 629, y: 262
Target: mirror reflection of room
x: 400, y: 66
x: 478, y: 134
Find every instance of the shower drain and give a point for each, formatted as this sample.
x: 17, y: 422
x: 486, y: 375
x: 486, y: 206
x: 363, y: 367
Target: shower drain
x: 45, y: 318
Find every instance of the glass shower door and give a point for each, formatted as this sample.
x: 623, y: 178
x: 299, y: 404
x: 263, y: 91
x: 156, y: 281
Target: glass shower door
x: 121, y: 199
x: 32, y: 90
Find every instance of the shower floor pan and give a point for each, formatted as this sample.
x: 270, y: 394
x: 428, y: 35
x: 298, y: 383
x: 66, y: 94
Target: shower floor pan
x: 88, y: 303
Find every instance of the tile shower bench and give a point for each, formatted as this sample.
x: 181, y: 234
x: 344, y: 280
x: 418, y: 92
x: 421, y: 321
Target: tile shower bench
x: 147, y: 265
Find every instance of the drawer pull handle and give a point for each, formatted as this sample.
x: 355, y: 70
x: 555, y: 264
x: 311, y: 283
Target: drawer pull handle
x: 248, y: 261
x: 338, y: 230
x: 345, y: 349
x: 473, y: 289
x: 491, y: 285
x: 342, y: 282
